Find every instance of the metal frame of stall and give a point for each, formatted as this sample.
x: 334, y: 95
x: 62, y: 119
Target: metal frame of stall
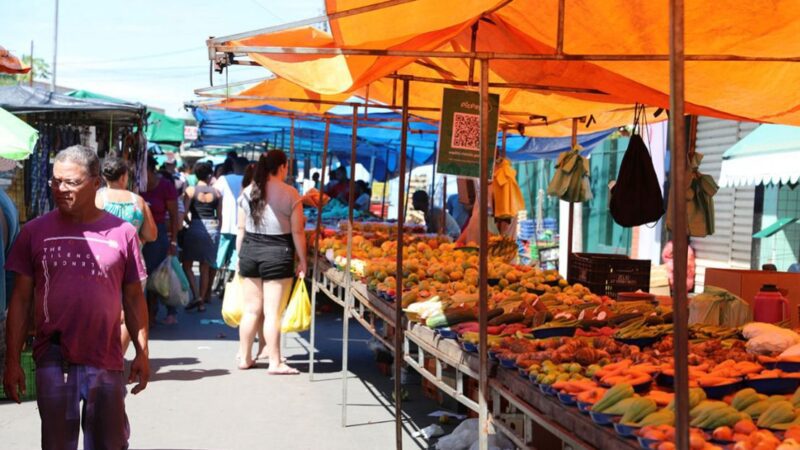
x: 225, y: 54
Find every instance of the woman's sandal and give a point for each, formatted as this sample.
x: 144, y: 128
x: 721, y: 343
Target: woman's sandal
x: 193, y: 305
x: 201, y: 307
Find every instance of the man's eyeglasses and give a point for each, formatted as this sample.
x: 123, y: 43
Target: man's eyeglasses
x: 69, y: 185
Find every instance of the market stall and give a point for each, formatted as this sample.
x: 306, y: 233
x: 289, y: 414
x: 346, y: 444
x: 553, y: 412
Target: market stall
x: 529, y: 64
x: 62, y: 121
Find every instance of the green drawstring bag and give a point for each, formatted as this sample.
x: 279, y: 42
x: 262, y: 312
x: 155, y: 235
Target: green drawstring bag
x: 699, y: 196
x: 571, y: 179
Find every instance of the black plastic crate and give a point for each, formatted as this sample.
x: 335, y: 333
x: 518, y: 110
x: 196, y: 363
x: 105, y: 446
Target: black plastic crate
x: 609, y: 274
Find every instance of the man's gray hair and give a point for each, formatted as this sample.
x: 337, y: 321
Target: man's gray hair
x: 82, y: 156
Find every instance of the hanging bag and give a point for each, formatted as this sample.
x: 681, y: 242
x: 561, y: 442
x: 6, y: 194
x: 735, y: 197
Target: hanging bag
x: 297, y: 317
x: 636, y: 198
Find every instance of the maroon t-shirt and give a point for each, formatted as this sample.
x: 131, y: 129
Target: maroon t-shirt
x: 79, y: 271
x: 158, y: 197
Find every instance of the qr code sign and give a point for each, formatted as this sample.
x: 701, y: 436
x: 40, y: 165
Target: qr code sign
x: 466, y: 132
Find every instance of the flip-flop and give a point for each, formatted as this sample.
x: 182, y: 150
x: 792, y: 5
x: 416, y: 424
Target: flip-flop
x: 193, y: 305
x: 285, y: 370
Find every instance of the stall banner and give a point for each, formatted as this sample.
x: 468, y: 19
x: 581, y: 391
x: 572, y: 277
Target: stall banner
x: 459, y: 133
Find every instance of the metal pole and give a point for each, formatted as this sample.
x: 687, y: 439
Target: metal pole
x: 679, y: 232
x: 348, y: 297
x: 505, y: 135
x: 483, y: 264
x: 443, y: 228
x: 372, y: 168
x: 408, y: 186
x: 55, y: 51
x: 385, y: 185
x: 314, y: 287
x: 291, y: 152
x: 398, y: 303
x: 33, y: 69
x: 571, y: 204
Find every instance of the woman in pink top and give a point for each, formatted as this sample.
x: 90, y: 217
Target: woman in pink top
x: 162, y: 198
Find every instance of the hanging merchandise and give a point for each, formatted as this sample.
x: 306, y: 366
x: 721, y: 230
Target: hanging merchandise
x: 700, y: 190
x: 508, y: 200
x: 636, y: 197
x: 571, y: 179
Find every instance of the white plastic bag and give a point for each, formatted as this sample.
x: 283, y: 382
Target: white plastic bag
x: 170, y: 285
x: 461, y: 438
x: 159, y: 280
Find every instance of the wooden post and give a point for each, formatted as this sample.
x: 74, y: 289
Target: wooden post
x: 571, y: 204
x: 680, y: 240
x: 483, y: 262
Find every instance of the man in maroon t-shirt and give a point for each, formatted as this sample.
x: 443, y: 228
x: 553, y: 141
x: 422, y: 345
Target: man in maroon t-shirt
x: 77, y: 267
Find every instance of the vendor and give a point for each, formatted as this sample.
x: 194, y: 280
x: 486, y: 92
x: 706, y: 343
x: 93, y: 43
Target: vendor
x: 472, y: 231
x: 433, y: 216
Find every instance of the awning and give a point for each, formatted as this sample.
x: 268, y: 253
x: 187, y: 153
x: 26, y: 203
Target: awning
x: 27, y: 100
x: 17, y: 138
x: 770, y: 154
x: 775, y: 227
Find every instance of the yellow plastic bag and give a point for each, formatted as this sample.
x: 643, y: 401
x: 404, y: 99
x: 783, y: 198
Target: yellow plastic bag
x: 297, y: 317
x: 233, y: 302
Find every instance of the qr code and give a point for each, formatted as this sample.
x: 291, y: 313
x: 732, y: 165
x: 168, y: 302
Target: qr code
x: 466, y: 132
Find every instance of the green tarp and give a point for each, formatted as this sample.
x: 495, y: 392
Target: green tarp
x: 160, y: 128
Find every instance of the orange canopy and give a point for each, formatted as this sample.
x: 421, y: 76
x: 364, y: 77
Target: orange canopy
x: 10, y: 63
x: 559, y: 88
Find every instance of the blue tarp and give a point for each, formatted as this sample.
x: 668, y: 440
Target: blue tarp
x: 378, y: 136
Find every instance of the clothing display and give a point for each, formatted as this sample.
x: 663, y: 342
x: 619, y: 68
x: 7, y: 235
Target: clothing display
x: 508, y: 200
x: 571, y: 179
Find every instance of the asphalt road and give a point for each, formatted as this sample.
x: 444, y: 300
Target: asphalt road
x: 197, y: 399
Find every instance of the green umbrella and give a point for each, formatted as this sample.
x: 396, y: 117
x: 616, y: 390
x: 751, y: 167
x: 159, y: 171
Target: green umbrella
x: 17, y: 138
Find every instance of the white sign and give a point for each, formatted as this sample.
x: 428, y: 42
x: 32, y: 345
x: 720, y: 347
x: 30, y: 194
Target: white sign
x: 189, y: 133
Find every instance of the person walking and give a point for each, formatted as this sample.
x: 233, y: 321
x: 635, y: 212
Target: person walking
x: 116, y: 199
x: 270, y: 236
x: 77, y: 267
x: 202, y: 237
x: 229, y: 187
x: 162, y: 198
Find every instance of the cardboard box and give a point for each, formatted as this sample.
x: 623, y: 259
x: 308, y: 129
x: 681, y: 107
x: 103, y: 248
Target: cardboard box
x: 747, y: 283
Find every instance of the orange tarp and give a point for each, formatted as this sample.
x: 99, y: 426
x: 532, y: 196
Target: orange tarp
x: 752, y: 90
x: 280, y: 88
x: 10, y: 63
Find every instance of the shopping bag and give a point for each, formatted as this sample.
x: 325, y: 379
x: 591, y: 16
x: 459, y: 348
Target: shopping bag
x: 233, y: 302
x: 178, y: 269
x: 159, y: 280
x: 178, y: 293
x: 298, y: 314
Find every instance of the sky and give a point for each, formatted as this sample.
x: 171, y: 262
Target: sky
x: 148, y: 51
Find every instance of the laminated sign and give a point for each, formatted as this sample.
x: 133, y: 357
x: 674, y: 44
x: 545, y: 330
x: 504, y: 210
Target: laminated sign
x: 459, y: 133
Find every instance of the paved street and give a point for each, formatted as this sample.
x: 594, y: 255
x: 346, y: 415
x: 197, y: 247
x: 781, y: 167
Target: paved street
x: 197, y: 399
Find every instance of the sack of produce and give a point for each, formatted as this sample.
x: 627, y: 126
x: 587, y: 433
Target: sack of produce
x: 717, y: 306
x: 298, y: 314
x: 159, y: 280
